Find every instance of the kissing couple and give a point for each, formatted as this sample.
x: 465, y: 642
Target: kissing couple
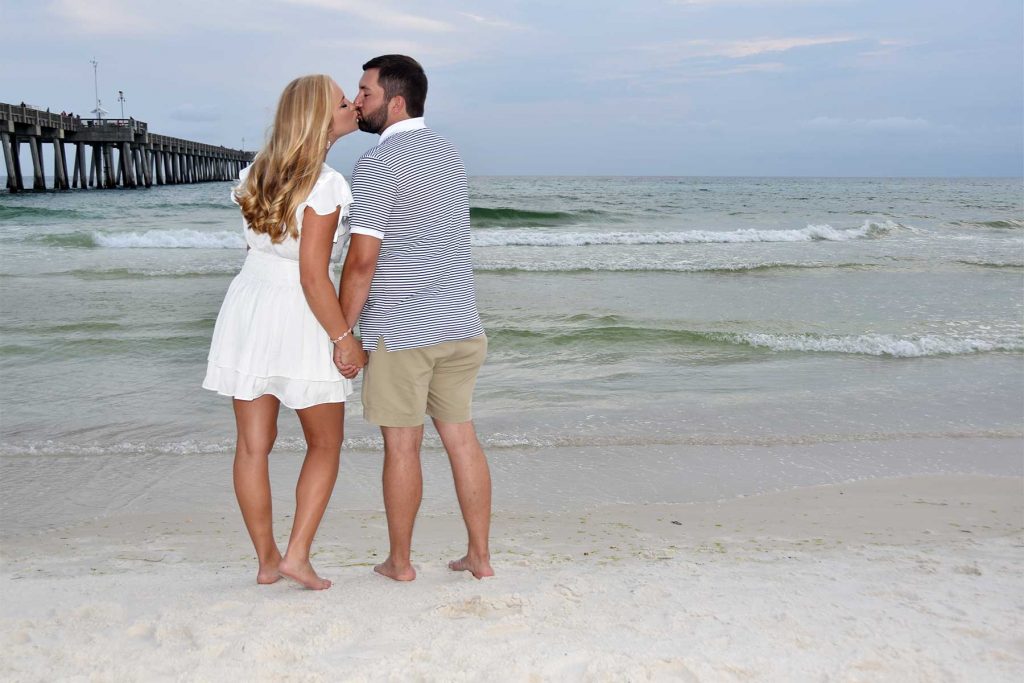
x: 286, y: 332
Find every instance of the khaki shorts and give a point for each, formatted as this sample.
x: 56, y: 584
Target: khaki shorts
x: 400, y: 388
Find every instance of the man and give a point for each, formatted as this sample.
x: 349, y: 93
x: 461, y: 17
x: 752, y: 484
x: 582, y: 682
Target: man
x: 408, y: 278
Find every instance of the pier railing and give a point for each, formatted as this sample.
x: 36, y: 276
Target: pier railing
x: 122, y: 152
x: 34, y: 117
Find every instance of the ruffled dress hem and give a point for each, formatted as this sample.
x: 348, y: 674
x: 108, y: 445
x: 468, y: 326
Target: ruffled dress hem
x: 293, y: 393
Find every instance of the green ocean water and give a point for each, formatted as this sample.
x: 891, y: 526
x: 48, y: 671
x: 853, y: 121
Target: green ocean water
x: 620, y: 310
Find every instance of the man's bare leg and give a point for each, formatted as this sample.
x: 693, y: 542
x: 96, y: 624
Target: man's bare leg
x: 323, y: 427
x: 403, y: 491
x: 473, y: 487
x: 257, y: 430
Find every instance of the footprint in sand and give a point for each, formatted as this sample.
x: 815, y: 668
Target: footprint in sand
x: 569, y: 592
x: 671, y: 670
x: 478, y: 606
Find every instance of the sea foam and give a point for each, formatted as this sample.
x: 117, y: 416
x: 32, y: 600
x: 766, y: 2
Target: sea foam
x: 183, y: 238
x: 533, y: 238
x: 639, y: 266
x: 879, y: 344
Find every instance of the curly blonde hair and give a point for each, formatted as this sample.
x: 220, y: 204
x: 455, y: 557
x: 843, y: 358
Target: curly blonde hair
x: 283, y: 173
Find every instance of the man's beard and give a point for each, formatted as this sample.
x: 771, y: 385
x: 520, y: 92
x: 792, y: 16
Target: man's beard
x: 374, y: 122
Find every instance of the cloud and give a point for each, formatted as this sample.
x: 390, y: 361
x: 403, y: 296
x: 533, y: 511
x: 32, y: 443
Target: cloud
x: 101, y: 16
x: 712, y: 125
x: 494, y: 23
x: 382, y: 28
x: 737, y: 49
x: 765, y: 3
x: 428, y: 53
x: 683, y: 61
x: 138, y: 18
x: 894, y: 123
x: 195, y: 113
x: 757, y: 67
x: 886, y: 49
x: 378, y: 13
x: 694, y: 55
x: 698, y: 72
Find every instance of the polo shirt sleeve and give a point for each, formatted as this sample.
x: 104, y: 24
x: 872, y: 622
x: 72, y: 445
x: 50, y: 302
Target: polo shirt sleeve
x: 374, y: 192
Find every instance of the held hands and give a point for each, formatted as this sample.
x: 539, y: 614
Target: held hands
x: 349, y: 357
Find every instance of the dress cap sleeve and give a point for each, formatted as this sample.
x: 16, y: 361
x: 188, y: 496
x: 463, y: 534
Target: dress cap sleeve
x: 330, y: 192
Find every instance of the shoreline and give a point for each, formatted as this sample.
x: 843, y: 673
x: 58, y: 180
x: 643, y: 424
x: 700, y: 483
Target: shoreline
x: 41, y: 493
x: 906, y: 578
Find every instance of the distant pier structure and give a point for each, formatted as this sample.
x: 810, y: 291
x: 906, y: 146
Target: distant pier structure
x: 123, y: 153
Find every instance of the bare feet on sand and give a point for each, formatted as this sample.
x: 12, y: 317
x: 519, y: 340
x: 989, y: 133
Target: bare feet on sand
x: 302, y: 573
x: 478, y: 567
x: 268, y: 572
x: 396, y: 572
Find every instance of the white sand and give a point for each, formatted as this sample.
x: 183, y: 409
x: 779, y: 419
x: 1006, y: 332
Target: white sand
x: 905, y: 579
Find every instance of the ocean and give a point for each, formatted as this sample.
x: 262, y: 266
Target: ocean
x: 622, y: 312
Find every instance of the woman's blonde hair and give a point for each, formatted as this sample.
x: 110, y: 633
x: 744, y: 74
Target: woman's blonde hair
x: 284, y: 172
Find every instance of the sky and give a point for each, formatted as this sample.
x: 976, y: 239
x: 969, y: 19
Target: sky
x: 524, y: 87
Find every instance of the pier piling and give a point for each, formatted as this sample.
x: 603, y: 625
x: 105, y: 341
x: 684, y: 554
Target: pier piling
x: 9, y: 158
x: 38, y: 176
x: 60, y: 167
x: 80, y: 163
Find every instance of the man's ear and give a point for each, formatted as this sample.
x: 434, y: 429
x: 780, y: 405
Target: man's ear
x: 397, y: 105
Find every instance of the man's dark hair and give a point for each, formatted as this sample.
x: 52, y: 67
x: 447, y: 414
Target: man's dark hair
x: 401, y: 75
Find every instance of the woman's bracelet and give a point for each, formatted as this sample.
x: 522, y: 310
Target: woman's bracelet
x: 347, y: 332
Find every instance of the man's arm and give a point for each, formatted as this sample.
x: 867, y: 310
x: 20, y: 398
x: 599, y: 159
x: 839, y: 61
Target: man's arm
x: 374, y: 192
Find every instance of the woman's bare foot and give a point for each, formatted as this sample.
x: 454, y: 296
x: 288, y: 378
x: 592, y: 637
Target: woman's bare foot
x: 303, y: 573
x: 480, y: 567
x: 399, y: 573
x: 268, y: 572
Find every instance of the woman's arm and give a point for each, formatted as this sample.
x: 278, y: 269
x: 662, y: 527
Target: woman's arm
x: 314, y: 261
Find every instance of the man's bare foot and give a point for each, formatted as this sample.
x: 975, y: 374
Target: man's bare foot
x: 478, y: 567
x: 390, y: 570
x: 303, y: 573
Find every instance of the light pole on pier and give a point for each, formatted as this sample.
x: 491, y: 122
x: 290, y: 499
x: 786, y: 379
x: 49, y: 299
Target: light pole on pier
x: 98, y: 111
x: 120, y: 98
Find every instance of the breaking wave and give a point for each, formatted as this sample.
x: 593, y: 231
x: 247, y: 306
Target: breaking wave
x: 532, y: 238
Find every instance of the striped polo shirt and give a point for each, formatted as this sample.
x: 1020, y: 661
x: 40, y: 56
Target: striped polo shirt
x: 411, y: 192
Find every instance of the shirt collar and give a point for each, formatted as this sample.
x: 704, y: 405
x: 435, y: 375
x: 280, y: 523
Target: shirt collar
x: 402, y: 126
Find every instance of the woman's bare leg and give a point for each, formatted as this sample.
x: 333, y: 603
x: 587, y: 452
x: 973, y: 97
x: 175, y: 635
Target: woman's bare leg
x: 324, y: 428
x: 257, y: 430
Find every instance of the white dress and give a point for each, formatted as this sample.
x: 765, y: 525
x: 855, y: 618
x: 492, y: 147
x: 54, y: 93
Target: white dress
x: 267, y: 340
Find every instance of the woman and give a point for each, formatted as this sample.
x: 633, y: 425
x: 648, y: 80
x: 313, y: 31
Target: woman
x: 273, y: 340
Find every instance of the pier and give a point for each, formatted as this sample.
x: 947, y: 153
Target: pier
x: 122, y: 153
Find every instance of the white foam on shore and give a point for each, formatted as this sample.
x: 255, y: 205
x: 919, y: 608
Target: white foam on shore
x: 879, y: 344
x: 186, y: 447
x: 496, y: 441
x: 534, y: 238
x: 183, y: 238
x: 644, y: 265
